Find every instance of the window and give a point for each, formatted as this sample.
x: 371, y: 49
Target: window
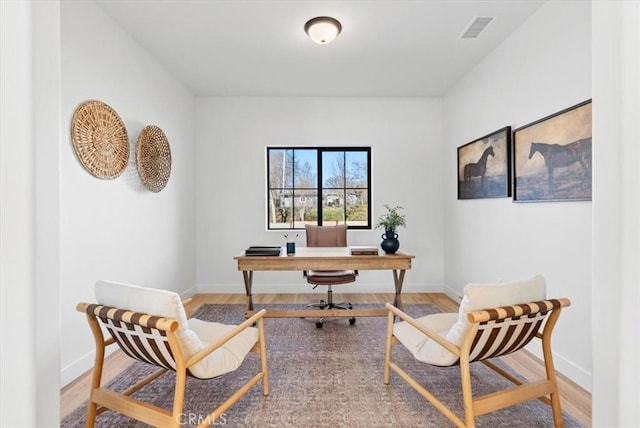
x: 313, y: 185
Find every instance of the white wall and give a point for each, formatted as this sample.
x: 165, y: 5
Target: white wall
x: 17, y: 218
x: 48, y: 137
x: 232, y: 133
x: 115, y: 229
x: 542, y: 68
x: 616, y: 209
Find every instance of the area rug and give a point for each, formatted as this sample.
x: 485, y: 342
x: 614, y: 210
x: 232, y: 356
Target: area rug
x: 324, y: 377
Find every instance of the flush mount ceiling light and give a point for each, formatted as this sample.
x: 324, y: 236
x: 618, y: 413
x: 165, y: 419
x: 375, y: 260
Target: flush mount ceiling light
x: 322, y: 29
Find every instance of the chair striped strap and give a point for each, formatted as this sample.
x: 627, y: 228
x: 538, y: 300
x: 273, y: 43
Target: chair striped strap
x: 507, y: 329
x: 142, y: 343
x: 140, y: 336
x: 496, y: 338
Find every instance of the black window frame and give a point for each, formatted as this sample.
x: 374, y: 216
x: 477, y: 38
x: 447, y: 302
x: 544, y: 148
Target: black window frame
x: 319, y: 183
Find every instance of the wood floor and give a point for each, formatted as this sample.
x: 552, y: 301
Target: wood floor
x: 575, y: 400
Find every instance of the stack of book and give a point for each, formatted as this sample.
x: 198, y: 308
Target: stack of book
x: 364, y: 251
x: 255, y: 250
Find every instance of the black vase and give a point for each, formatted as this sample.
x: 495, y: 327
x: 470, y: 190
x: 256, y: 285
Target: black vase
x: 390, y: 243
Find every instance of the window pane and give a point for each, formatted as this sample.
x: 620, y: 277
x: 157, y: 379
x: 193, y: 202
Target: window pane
x: 281, y: 168
x: 357, y: 188
x: 280, y: 208
x: 333, y: 207
x: 305, y: 208
x: 333, y: 170
x: 356, y: 169
x: 357, y: 207
x: 305, y: 169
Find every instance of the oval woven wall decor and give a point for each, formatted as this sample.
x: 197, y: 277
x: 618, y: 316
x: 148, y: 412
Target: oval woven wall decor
x: 100, y: 139
x: 153, y: 158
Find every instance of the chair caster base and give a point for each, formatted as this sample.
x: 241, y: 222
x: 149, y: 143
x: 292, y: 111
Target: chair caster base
x: 319, y: 324
x: 330, y: 305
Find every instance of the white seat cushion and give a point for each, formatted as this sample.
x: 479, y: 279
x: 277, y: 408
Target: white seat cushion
x: 454, y: 327
x: 422, y: 346
x: 228, y: 357
x: 193, y: 335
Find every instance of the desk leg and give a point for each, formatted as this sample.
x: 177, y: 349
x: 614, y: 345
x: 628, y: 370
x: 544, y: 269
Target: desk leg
x: 398, y: 279
x: 248, y: 282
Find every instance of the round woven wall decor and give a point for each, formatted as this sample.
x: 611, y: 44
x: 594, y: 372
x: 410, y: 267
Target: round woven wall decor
x: 100, y: 139
x: 153, y: 157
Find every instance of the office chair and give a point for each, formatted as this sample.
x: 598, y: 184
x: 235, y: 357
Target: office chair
x: 493, y: 320
x: 150, y: 325
x: 329, y: 236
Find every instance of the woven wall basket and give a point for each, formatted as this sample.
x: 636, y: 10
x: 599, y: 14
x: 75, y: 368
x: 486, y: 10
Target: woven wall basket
x: 100, y: 139
x: 153, y: 158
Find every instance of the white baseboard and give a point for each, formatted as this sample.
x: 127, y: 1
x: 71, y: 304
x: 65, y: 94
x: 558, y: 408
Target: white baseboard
x: 80, y: 366
x: 564, y: 366
x: 576, y: 373
x: 454, y: 294
x: 189, y: 292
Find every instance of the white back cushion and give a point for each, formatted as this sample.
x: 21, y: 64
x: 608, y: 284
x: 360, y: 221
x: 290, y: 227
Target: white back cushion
x: 486, y: 296
x: 138, y: 299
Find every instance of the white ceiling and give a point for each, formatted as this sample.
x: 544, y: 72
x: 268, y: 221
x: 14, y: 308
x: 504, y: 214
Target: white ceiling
x: 259, y: 48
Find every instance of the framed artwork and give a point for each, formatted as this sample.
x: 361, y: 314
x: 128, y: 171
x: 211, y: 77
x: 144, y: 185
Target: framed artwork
x: 552, y: 157
x: 484, y: 167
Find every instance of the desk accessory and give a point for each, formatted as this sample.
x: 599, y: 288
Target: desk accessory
x: 255, y: 250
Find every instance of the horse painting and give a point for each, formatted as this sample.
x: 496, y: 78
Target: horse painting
x: 558, y: 156
x: 477, y: 169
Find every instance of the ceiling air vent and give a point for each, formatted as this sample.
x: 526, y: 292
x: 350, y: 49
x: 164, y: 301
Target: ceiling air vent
x: 476, y: 26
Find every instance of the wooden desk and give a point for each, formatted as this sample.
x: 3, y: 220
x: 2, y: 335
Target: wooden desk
x: 324, y: 258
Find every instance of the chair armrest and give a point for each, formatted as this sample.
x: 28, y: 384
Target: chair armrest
x: 131, y: 317
x: 432, y: 335
x: 517, y: 310
x: 227, y: 337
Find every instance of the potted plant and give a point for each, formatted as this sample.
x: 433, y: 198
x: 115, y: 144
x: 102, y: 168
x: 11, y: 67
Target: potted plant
x: 390, y: 223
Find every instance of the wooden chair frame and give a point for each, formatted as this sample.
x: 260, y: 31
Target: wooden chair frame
x: 498, y: 400
x: 102, y: 399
